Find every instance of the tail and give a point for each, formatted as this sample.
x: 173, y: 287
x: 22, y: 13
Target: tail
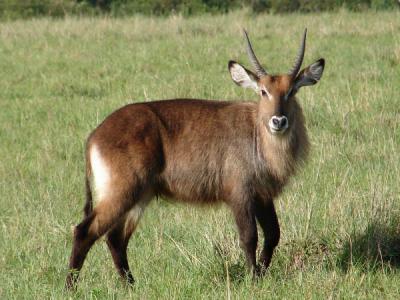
x: 89, y: 199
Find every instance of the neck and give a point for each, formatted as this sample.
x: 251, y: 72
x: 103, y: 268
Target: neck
x: 282, y: 154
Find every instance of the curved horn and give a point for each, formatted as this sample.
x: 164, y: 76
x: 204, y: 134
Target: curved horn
x: 253, y: 59
x: 300, y: 55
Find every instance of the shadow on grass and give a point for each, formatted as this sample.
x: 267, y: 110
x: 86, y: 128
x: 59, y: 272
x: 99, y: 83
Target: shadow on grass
x: 236, y: 271
x: 378, y: 247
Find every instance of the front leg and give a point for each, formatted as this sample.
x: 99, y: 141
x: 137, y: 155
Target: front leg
x: 246, y: 223
x: 268, y: 220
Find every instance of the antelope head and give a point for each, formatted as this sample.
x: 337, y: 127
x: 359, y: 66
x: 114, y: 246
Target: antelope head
x: 277, y: 107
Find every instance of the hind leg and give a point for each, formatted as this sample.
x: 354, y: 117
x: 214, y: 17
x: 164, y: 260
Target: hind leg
x: 118, y: 238
x: 103, y: 217
x: 117, y: 241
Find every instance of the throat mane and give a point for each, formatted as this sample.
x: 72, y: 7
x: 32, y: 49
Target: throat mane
x: 281, y: 155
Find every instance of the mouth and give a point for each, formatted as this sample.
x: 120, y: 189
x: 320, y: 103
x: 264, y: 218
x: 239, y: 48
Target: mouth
x: 276, y: 131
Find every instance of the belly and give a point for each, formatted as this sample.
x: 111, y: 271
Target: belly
x: 194, y: 185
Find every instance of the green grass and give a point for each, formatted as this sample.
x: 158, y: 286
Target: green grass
x: 340, y: 216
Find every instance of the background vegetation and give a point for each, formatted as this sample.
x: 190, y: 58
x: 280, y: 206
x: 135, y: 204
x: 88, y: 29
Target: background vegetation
x: 340, y: 216
x: 11, y: 9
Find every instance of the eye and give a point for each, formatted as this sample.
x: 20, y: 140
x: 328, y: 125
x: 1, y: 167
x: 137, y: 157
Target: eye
x: 265, y: 93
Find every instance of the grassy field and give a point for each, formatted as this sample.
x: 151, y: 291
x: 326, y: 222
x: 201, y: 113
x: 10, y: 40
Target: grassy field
x: 340, y: 216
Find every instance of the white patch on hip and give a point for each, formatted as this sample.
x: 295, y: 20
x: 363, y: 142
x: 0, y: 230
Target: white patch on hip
x: 101, y: 174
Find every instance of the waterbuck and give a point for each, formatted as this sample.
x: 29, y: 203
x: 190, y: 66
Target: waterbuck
x: 197, y: 151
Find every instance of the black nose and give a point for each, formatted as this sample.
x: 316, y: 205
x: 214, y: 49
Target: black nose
x: 279, y: 122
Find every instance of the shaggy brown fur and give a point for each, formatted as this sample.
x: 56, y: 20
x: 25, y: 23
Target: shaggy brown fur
x: 196, y: 151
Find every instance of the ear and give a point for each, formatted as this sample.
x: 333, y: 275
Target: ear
x: 243, y: 77
x: 310, y: 75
